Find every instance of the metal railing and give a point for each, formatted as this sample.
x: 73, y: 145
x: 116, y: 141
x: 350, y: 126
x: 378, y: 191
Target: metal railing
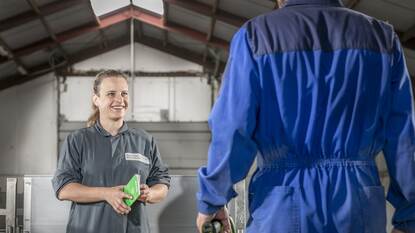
x: 10, y: 211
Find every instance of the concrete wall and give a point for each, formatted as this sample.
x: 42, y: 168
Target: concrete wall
x: 28, y: 136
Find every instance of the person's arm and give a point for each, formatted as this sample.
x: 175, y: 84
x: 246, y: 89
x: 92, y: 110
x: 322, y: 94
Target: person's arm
x: 158, y: 181
x: 232, y: 122
x: 153, y: 194
x: 68, y: 178
x: 83, y: 194
x: 399, y: 148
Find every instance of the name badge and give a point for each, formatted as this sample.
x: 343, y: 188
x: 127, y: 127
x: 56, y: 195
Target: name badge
x: 136, y: 157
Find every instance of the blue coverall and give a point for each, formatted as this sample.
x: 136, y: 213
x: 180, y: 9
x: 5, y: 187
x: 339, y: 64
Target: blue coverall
x: 314, y: 91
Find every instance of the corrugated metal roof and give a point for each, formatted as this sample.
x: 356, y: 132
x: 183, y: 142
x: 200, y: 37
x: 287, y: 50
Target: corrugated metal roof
x: 247, y: 8
x: 44, y: 2
x: 7, y: 69
x: 186, y: 42
x: 151, y: 31
x: 224, y: 31
x: 60, y: 22
x: 116, y: 31
x: 189, y: 18
x: 400, y: 15
x: 81, y: 42
x: 25, y: 34
x: 10, y: 8
x: 36, y: 58
x: 194, y: 30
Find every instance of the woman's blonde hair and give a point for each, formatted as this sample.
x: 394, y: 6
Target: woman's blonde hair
x: 92, y: 119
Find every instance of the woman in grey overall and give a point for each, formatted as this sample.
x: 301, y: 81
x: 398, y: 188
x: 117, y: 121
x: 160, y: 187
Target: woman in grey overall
x: 95, y: 162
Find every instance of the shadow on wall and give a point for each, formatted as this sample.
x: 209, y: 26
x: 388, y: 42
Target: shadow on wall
x: 179, y: 212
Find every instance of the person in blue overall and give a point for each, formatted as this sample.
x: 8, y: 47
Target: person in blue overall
x: 313, y: 91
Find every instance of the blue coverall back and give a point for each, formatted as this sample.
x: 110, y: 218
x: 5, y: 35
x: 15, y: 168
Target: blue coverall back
x: 314, y: 91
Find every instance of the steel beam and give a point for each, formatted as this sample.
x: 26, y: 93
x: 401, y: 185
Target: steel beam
x: 12, y: 57
x: 158, y: 22
x: 93, y: 73
x: 213, y: 20
x: 165, y: 16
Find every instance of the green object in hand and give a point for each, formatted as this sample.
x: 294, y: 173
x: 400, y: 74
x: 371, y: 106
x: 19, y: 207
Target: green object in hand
x: 132, y: 189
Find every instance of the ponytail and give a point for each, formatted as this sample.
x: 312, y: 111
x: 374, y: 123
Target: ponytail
x: 94, y: 117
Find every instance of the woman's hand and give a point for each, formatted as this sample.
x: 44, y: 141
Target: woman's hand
x: 145, y: 193
x: 114, y: 196
x: 153, y: 194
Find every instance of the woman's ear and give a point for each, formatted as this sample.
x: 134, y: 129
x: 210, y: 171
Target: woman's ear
x: 95, y: 99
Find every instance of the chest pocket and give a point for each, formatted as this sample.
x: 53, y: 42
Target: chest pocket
x: 137, y: 163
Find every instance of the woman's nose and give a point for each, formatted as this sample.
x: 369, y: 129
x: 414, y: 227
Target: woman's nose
x: 118, y: 98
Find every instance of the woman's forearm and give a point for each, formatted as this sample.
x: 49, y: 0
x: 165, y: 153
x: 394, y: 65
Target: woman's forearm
x: 158, y: 193
x: 83, y: 194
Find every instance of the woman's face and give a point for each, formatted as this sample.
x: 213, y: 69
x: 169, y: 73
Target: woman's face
x: 112, y: 100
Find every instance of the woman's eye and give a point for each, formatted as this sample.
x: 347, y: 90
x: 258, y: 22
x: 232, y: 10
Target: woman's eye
x: 124, y: 94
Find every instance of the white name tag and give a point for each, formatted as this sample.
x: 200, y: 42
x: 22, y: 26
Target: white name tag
x: 136, y: 157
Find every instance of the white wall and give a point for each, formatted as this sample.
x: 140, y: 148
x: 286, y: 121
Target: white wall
x: 28, y: 126
x: 146, y: 59
x: 186, y: 99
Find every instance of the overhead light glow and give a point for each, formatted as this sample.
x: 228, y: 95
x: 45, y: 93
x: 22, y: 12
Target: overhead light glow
x: 102, y: 7
x: 151, y: 5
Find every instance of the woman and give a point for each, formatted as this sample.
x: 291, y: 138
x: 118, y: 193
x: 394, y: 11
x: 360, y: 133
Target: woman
x: 96, y: 162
